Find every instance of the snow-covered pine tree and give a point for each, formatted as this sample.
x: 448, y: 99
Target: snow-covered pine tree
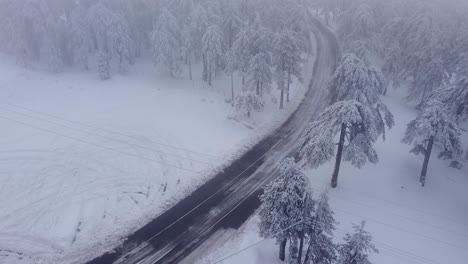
x: 357, y: 114
x: 166, y: 48
x: 287, y: 61
x: 241, y: 52
x: 358, y: 32
x: 24, y: 25
x: 457, y: 99
x: 357, y: 246
x: 321, y: 248
x: 198, y: 23
x: 81, y: 38
x: 434, y: 126
x: 247, y: 101
x: 430, y: 76
x: 121, y: 44
x: 100, y: 18
x: 282, y: 208
x: 212, y: 43
x: 187, y: 49
x: 357, y: 124
x: 103, y: 66
x: 259, y: 74
x: 354, y: 80
x: 231, y: 23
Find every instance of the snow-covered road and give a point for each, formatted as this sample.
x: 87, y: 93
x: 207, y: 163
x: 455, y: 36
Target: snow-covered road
x: 232, y: 196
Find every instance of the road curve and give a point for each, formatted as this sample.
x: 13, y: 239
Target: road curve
x: 231, y: 197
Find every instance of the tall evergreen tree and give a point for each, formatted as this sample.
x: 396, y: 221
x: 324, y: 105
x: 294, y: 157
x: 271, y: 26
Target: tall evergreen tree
x: 321, y: 248
x: 241, y: 52
x: 287, y: 61
x: 357, y: 114
x: 282, y: 208
x: 81, y: 39
x: 212, y: 43
x: 165, y: 41
x: 433, y: 126
x: 259, y: 74
x: 356, y: 123
x: 248, y: 101
x: 357, y: 246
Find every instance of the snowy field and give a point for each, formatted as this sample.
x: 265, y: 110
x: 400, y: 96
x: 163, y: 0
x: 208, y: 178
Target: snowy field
x: 85, y: 162
x: 409, y: 224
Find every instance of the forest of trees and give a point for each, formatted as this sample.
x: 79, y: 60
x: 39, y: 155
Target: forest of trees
x: 422, y: 45
x: 232, y: 37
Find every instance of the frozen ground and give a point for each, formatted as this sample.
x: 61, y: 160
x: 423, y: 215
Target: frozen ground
x: 84, y: 162
x: 410, y: 224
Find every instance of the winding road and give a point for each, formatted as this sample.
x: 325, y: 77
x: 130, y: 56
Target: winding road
x: 231, y: 197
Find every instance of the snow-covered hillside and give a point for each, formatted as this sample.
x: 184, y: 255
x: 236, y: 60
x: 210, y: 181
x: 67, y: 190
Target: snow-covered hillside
x: 409, y: 224
x: 84, y: 162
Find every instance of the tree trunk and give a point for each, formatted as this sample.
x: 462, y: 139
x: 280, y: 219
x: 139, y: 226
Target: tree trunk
x: 334, y: 181
x: 282, y: 250
x: 243, y: 81
x: 307, y: 258
x: 301, y: 245
x: 427, y: 156
x: 282, y: 99
x: 293, y: 251
x: 289, y: 83
x: 205, y: 69
x: 232, y: 89
x: 189, y: 60
x: 209, y: 75
x: 304, y: 226
x: 258, y: 87
x: 261, y: 86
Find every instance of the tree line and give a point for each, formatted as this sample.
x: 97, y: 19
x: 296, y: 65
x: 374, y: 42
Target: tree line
x: 262, y: 41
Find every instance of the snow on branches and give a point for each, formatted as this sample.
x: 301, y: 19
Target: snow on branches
x: 434, y: 126
x: 357, y: 246
x: 357, y: 114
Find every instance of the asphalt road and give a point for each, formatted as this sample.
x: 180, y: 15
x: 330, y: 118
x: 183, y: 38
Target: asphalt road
x: 231, y: 197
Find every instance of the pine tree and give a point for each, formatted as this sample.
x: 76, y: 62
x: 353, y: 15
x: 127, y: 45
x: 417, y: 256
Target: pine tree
x: 212, y: 43
x: 321, y: 248
x: 282, y: 208
x: 104, y: 67
x: 357, y: 114
x: 433, y: 126
x: 356, y: 123
x: 287, y: 61
x: 166, y: 48
x: 241, y: 52
x: 248, y: 101
x: 81, y: 38
x: 455, y: 95
x: 198, y: 23
x: 356, y: 247
x: 259, y: 74
x: 358, y: 31
x: 121, y: 44
x: 232, y: 23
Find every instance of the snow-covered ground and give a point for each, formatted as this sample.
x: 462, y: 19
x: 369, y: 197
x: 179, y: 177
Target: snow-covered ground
x: 409, y: 224
x: 84, y: 162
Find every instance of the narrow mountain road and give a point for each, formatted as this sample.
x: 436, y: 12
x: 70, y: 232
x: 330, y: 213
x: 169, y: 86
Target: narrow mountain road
x: 231, y: 197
